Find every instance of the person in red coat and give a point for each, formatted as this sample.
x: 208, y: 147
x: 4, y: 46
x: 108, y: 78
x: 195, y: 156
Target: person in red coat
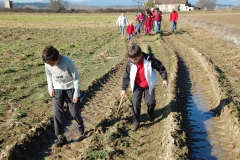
x: 130, y: 31
x: 148, y: 24
x: 153, y: 17
x: 174, y: 19
x: 157, y: 20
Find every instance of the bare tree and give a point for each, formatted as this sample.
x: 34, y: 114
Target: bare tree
x: 57, y: 5
x: 208, y: 4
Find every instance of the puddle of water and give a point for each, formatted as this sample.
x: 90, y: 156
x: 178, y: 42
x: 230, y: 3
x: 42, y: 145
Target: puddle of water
x: 203, y: 145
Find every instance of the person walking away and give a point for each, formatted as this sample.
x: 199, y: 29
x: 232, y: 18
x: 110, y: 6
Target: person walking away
x: 153, y: 17
x: 157, y: 20
x: 122, y: 22
x: 138, y: 28
x: 130, y: 31
x: 141, y: 19
x: 140, y: 72
x: 148, y: 24
x: 63, y: 86
x: 174, y: 19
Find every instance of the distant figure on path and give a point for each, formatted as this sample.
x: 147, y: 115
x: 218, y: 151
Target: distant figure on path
x: 174, y: 19
x: 63, y: 86
x: 141, y: 73
x: 153, y: 17
x: 130, y: 31
x: 148, y: 24
x: 122, y: 22
x: 157, y: 20
x: 138, y: 27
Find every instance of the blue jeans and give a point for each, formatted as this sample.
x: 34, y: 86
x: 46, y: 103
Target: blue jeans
x: 157, y: 26
x: 130, y: 37
x: 174, y: 25
x: 122, y: 30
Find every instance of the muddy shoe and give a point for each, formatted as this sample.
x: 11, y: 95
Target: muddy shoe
x: 61, y: 141
x: 81, y: 130
x: 151, y: 118
x: 134, y: 127
x: 81, y: 96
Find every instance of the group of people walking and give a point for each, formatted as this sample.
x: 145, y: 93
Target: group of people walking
x: 64, y: 86
x: 141, y: 74
x: 145, y: 22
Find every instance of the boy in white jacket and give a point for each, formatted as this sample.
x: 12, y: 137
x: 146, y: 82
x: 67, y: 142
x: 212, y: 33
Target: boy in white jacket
x: 141, y: 74
x: 122, y: 21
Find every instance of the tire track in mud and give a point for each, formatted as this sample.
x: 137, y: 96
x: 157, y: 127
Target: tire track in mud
x: 199, y: 95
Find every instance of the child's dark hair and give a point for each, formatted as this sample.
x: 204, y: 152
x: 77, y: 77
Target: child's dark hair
x: 50, y: 54
x: 134, y: 51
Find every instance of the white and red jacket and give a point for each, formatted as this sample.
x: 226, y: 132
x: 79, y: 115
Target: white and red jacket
x: 151, y: 65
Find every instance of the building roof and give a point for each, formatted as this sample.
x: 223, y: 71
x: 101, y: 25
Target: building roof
x: 168, y: 1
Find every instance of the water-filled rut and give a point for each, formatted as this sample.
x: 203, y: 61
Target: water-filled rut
x: 198, y: 95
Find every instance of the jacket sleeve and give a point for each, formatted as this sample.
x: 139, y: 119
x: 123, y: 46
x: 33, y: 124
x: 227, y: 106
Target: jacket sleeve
x: 126, y: 77
x: 76, y: 78
x: 49, y: 78
x: 156, y: 64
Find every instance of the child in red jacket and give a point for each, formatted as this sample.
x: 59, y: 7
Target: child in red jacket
x: 174, y: 19
x: 130, y: 31
x: 148, y: 24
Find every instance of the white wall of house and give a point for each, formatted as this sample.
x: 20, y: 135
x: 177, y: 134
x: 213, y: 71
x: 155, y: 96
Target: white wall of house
x: 183, y: 7
x: 8, y: 4
x: 177, y: 7
x: 167, y: 8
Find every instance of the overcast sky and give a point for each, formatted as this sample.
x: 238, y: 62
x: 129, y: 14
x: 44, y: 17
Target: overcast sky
x: 131, y: 1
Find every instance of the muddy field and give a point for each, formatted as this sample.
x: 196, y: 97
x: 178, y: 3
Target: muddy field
x: 197, y: 115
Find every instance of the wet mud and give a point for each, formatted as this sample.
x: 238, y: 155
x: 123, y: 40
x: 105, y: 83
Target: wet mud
x: 192, y: 115
x: 202, y: 102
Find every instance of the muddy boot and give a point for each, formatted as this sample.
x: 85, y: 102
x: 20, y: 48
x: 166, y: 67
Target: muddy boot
x: 151, y: 118
x: 61, y: 141
x: 134, y: 127
x: 81, y: 130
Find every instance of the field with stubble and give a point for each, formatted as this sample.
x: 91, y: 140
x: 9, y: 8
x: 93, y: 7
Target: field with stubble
x: 197, y: 115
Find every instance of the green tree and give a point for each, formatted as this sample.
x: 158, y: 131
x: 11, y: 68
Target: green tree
x: 206, y: 4
x: 57, y: 5
x: 148, y: 5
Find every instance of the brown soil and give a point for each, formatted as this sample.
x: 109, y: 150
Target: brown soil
x: 108, y: 137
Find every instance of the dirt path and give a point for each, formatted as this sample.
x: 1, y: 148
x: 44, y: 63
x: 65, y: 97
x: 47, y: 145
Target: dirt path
x: 192, y: 81
x: 106, y: 136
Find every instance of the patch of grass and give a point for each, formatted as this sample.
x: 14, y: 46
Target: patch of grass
x: 32, y: 123
x: 97, y: 154
x: 21, y: 113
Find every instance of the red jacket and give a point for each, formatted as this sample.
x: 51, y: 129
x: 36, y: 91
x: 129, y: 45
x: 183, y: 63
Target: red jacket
x: 148, y: 22
x: 158, y: 16
x: 174, y: 16
x: 130, y: 29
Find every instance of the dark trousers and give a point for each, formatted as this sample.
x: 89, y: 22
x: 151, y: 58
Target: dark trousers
x: 136, y: 102
x: 58, y: 112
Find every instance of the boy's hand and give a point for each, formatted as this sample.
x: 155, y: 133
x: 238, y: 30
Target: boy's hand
x: 123, y: 92
x: 75, y: 99
x: 165, y: 83
x: 52, y: 93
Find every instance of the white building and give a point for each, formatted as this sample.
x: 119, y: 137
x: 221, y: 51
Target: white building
x: 8, y: 4
x: 168, y: 5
